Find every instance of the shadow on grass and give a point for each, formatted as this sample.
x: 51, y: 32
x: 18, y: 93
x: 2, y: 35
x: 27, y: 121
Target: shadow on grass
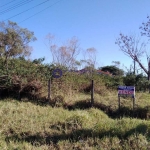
x: 42, y: 101
x: 142, y: 113
x: 76, y: 135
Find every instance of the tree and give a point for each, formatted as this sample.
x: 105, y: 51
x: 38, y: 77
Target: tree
x: 14, y: 41
x: 64, y: 55
x: 132, y: 47
x: 89, y: 61
x: 113, y: 70
x: 145, y: 31
x: 145, y: 28
x: 90, y: 57
x: 39, y: 60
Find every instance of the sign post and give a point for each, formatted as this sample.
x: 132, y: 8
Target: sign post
x: 56, y: 73
x: 119, y: 102
x: 126, y: 91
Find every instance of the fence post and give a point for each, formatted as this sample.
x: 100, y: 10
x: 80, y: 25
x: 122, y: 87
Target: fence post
x: 119, y: 103
x: 92, y: 93
x: 133, y: 105
x: 49, y: 89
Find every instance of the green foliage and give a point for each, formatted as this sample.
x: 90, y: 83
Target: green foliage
x: 14, y: 40
x: 24, y: 76
x: 129, y: 80
x: 38, y: 61
x: 113, y: 82
x: 113, y: 70
x: 28, y: 126
x: 139, y: 81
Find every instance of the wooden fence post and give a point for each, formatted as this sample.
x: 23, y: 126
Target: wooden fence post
x: 92, y: 93
x: 133, y: 106
x: 49, y: 89
x: 119, y: 103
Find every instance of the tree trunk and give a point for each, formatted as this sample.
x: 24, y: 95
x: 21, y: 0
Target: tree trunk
x: 134, y: 66
x: 148, y: 70
x: 141, y: 65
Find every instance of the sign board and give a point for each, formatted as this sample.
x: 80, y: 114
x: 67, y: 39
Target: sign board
x: 126, y: 91
x: 57, y: 73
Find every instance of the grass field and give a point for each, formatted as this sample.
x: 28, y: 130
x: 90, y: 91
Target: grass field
x: 75, y: 125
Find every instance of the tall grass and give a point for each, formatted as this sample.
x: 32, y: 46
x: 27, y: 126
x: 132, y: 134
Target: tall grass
x: 69, y: 122
x: 24, y: 125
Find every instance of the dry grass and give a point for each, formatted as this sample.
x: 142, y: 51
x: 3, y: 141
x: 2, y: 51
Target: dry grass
x: 25, y: 125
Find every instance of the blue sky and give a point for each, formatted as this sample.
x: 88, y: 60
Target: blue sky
x: 96, y: 23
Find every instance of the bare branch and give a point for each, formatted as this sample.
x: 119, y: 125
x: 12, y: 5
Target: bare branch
x: 64, y: 55
x: 145, y: 28
x: 132, y: 47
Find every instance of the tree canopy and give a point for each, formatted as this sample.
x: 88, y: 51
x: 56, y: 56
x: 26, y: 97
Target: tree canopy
x: 133, y: 47
x: 113, y: 70
x: 14, y: 40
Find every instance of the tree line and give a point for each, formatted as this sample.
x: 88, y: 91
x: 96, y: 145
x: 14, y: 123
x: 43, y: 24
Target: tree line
x: 20, y: 74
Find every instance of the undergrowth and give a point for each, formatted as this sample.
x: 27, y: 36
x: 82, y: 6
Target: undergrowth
x: 25, y: 125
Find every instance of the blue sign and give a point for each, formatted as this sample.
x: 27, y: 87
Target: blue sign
x: 57, y: 73
x: 126, y: 91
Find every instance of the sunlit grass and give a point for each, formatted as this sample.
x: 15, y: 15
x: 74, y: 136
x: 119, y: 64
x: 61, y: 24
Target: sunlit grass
x: 25, y: 125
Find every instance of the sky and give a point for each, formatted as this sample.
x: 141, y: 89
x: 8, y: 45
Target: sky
x: 96, y: 23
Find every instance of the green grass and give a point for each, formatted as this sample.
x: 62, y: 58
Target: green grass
x: 25, y: 125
